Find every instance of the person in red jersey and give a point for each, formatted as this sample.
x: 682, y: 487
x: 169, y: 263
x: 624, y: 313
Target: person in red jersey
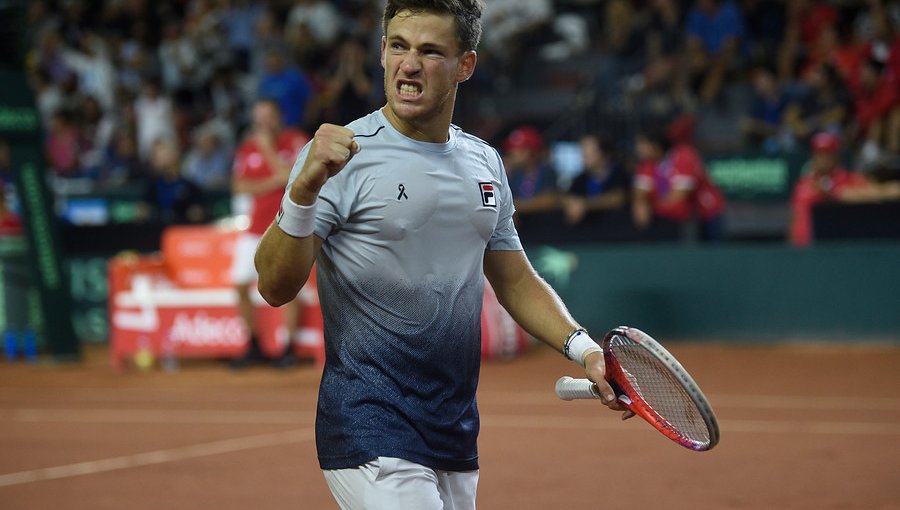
x: 262, y: 164
x: 826, y: 179
x: 671, y: 181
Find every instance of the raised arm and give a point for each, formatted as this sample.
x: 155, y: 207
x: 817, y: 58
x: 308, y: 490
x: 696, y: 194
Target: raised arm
x: 287, y: 250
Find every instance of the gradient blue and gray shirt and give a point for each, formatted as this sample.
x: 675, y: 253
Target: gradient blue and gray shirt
x: 405, y: 227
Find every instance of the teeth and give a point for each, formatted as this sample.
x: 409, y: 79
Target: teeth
x: 409, y: 90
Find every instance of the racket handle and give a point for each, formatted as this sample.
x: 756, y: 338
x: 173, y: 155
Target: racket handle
x: 568, y: 388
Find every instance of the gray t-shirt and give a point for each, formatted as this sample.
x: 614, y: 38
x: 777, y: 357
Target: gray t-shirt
x: 405, y: 226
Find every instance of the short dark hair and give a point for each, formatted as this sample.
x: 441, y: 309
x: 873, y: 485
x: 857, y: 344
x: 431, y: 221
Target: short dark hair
x: 467, y: 14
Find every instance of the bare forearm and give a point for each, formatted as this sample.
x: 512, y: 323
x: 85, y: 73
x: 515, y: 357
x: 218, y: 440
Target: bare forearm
x: 283, y: 263
x: 284, y: 258
x: 529, y: 299
x: 608, y: 200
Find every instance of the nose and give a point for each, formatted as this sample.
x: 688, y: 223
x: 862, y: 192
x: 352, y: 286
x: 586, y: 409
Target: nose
x: 411, y: 63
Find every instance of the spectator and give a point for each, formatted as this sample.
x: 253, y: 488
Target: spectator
x: 824, y: 105
x: 49, y: 57
x: 763, y: 126
x: 10, y: 223
x: 876, y: 91
x: 169, y: 197
x: 602, y: 184
x: 6, y: 166
x: 262, y: 165
x: 94, y: 68
x: 229, y: 100
x: 766, y: 22
x: 876, y: 86
x: 154, y: 117
x: 121, y: 163
x: 510, y: 25
x: 240, y: 19
x: 715, y: 42
x: 135, y: 60
x: 48, y: 96
x: 671, y: 181
x: 178, y: 57
x: 622, y: 35
x: 349, y: 86
x: 311, y: 30
x: 287, y: 86
x: 208, y: 162
x: 268, y: 34
x: 664, y: 41
x: 531, y: 178
x: 805, y: 24
x: 63, y: 144
x: 826, y: 179
x: 97, y: 128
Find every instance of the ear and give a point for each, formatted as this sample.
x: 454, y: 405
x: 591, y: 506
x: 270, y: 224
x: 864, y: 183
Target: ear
x: 383, y: 48
x: 466, y: 66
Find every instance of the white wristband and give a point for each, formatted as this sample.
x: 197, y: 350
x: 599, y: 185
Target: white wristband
x: 296, y: 220
x: 578, y: 345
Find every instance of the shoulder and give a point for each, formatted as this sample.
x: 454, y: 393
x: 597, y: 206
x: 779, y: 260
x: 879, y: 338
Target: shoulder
x: 370, y: 126
x: 646, y: 168
x: 470, y: 143
x: 686, y: 158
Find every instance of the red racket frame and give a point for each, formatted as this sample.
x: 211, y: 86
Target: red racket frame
x: 620, y: 383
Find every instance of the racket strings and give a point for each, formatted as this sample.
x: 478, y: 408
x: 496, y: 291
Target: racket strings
x: 661, y: 390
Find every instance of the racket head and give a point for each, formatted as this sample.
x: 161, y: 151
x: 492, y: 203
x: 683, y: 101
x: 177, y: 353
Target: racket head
x: 660, y: 390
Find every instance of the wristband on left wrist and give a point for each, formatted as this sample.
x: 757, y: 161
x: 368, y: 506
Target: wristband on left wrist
x: 578, y: 345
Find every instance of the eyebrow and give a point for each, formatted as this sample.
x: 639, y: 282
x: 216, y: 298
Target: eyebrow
x: 425, y: 45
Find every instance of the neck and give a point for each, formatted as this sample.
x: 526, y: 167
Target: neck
x: 435, y: 129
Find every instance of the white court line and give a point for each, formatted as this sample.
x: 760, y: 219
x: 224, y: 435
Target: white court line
x: 158, y: 457
x: 170, y: 416
x: 489, y: 421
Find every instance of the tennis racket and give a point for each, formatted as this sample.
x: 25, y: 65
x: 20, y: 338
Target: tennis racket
x: 651, y: 383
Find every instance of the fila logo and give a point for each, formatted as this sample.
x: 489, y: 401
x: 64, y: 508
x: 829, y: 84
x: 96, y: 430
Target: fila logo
x: 488, y: 194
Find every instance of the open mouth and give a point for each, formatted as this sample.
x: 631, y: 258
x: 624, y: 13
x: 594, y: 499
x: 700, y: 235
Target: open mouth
x: 409, y: 90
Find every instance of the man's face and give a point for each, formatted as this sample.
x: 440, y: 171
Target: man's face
x: 645, y: 149
x: 266, y: 117
x: 823, y: 162
x: 591, y: 153
x: 423, y: 65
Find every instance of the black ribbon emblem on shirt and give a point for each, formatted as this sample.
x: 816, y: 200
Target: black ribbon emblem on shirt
x: 402, y: 189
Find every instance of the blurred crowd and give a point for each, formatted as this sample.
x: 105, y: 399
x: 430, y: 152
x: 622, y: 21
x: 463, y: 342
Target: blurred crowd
x: 115, y: 78
x: 140, y: 91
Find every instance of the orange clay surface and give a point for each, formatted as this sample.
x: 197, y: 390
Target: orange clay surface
x: 807, y: 427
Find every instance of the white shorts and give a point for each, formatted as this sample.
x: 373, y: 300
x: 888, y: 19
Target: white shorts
x: 389, y: 483
x: 243, y: 270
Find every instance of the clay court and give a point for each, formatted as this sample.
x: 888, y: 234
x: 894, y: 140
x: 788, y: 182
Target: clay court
x: 803, y: 426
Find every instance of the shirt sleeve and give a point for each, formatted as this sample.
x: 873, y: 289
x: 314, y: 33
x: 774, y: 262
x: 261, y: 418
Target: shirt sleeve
x: 505, y: 236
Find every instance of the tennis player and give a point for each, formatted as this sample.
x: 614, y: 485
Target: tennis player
x: 404, y: 214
